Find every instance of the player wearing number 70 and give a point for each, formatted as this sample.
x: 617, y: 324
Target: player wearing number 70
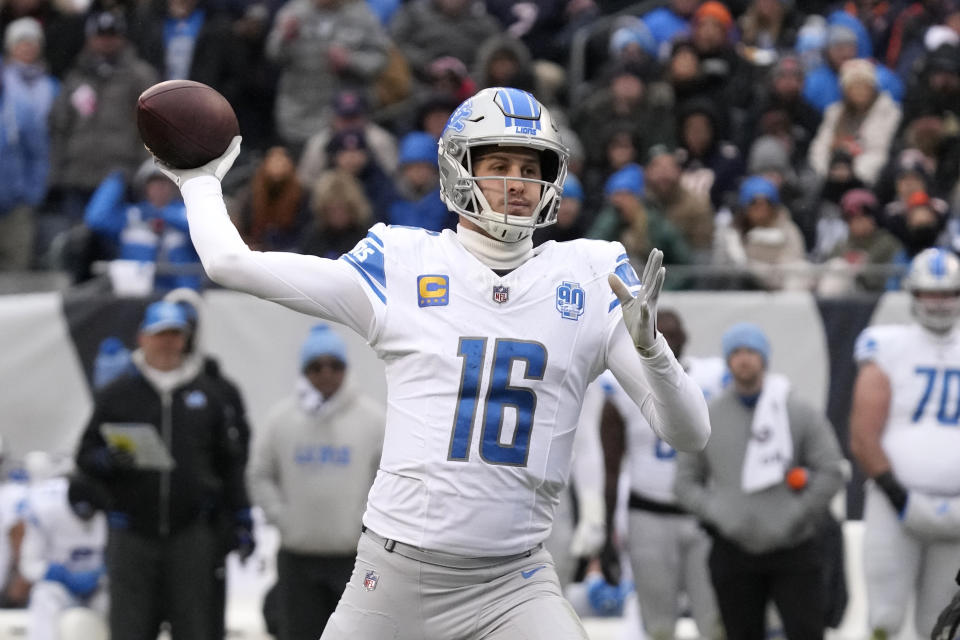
x: 489, y: 345
x: 905, y: 433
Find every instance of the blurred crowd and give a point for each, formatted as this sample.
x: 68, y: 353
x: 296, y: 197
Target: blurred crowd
x: 769, y: 144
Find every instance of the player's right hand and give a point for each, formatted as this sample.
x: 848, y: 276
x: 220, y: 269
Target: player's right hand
x: 610, y: 563
x: 640, y: 311
x: 217, y: 167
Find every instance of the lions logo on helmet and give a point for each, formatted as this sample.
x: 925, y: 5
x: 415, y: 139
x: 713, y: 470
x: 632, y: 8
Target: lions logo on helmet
x: 934, y: 283
x: 504, y: 117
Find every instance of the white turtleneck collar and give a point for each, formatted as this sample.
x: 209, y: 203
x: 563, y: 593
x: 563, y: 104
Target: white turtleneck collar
x: 493, y: 253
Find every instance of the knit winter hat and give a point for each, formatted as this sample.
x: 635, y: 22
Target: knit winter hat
x: 22, y: 29
x: 572, y: 188
x: 858, y: 70
x: 715, y: 11
x: 758, y: 187
x: 417, y: 146
x: 322, y: 341
x: 629, y: 178
x: 768, y: 154
x: 745, y: 335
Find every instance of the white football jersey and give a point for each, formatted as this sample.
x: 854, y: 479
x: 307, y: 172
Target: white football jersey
x: 54, y: 534
x: 922, y: 434
x: 651, y: 462
x: 485, y: 377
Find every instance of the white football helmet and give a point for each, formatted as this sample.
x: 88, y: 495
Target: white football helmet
x: 506, y: 117
x: 935, y: 271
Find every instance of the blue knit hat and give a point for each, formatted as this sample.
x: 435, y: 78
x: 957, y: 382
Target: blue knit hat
x: 417, y: 146
x: 322, y: 341
x: 572, y: 188
x: 756, y: 187
x: 745, y: 335
x: 629, y: 178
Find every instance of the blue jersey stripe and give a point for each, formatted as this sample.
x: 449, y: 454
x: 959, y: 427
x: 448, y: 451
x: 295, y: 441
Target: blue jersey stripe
x: 622, y: 257
x: 613, y: 305
x: 353, y: 263
x: 373, y: 236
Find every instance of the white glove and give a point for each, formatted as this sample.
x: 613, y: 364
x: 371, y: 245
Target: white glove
x: 640, y: 311
x: 217, y: 167
x: 589, y: 536
x: 932, y: 517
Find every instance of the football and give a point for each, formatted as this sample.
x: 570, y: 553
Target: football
x: 184, y: 123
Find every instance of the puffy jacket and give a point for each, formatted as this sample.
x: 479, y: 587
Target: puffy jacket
x: 203, y: 427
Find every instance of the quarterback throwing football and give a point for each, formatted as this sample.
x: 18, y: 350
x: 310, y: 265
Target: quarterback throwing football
x: 489, y: 345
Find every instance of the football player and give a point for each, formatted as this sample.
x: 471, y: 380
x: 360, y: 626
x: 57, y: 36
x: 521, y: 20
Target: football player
x: 489, y: 345
x: 905, y: 434
x: 667, y: 548
x: 63, y: 552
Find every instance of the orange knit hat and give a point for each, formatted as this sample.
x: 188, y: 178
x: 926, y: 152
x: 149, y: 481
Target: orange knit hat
x: 716, y: 11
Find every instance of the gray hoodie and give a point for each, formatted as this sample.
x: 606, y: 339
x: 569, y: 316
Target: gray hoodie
x: 310, y: 472
x: 708, y: 483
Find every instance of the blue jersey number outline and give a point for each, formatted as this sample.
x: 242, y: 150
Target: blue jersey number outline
x: 500, y: 394
x: 951, y: 379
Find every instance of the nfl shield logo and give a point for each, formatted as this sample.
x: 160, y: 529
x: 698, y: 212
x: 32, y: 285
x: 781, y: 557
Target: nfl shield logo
x: 500, y: 294
x: 370, y: 580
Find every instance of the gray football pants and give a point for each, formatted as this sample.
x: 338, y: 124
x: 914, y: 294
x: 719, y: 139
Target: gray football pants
x: 391, y: 596
x: 898, y: 565
x: 668, y: 554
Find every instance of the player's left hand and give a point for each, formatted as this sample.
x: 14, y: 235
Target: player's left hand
x: 640, y: 311
x: 217, y: 167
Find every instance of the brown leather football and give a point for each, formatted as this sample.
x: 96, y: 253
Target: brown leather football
x: 185, y: 123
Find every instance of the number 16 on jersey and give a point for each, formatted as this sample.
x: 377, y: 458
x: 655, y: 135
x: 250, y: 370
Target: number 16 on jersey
x: 500, y: 395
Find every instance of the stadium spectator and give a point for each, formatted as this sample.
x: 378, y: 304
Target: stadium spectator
x: 624, y: 218
x: 428, y: 30
x: 92, y: 125
x: 863, y: 124
x: 903, y: 440
x: 845, y: 41
x: 274, y: 210
x: 341, y: 215
x: 348, y: 151
x: 504, y: 61
x: 321, y: 47
x: 417, y: 186
x: 24, y: 142
x: 765, y: 546
x: 665, y: 196
x: 63, y: 31
x: 151, y: 230
x: 164, y: 552
x: 764, y: 239
x: 317, y: 453
x: 351, y: 111
x: 769, y: 25
x: 629, y: 101
x: 192, y: 40
x: 867, y: 245
x: 780, y: 109
x: 63, y: 552
x: 711, y: 166
x: 25, y: 70
x: 669, y: 22
x: 769, y: 157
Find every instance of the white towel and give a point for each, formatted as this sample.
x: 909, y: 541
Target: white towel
x: 770, y: 448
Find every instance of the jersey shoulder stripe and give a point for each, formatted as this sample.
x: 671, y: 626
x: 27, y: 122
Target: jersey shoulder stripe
x: 368, y: 259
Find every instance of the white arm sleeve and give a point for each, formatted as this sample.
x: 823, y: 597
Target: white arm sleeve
x: 669, y: 399
x: 316, y: 286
